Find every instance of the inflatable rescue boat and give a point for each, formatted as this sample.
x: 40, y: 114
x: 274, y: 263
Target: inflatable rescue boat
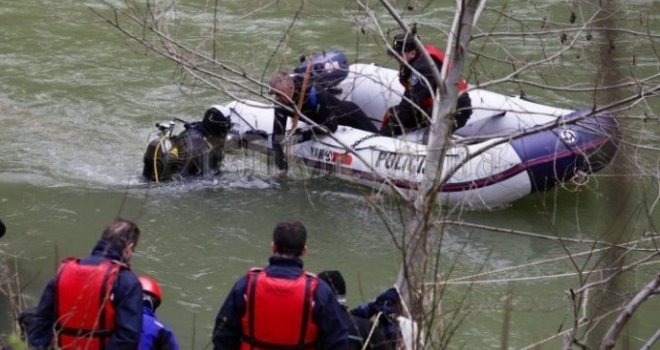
x: 509, y: 148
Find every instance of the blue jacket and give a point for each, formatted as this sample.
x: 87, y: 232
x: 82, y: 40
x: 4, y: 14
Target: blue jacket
x: 127, y: 300
x: 327, y: 313
x: 156, y: 335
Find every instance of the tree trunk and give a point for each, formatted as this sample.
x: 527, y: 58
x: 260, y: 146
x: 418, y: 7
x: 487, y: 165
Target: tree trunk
x: 618, y: 229
x: 419, y: 230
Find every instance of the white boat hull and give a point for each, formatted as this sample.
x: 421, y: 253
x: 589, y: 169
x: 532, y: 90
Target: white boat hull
x: 493, y: 169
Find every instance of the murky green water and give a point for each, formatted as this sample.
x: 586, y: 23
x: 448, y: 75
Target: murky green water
x: 78, y: 101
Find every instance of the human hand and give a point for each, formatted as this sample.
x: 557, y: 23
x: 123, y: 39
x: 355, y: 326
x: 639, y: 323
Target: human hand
x: 303, y: 134
x: 385, y: 120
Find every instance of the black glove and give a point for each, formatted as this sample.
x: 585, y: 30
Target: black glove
x: 307, y: 134
x: 320, y: 130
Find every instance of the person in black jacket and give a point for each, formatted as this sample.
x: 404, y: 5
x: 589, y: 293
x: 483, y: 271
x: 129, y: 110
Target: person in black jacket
x: 73, y: 312
x: 361, y: 329
x: 386, y: 309
x: 416, y: 76
x: 281, y: 306
x: 319, y: 105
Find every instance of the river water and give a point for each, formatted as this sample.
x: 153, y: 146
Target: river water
x: 78, y: 101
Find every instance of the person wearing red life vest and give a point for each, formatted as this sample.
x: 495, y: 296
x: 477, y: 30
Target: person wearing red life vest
x: 281, y: 306
x: 416, y: 76
x: 94, y: 302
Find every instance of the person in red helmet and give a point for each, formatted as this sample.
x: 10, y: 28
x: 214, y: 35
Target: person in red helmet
x: 155, y: 334
x: 416, y: 76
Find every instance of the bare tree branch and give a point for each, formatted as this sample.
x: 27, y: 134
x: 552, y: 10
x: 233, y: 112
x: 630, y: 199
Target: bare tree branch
x: 612, y: 334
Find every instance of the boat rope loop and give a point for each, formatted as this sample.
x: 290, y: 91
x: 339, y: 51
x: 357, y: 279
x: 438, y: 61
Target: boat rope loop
x: 581, y: 178
x: 360, y: 140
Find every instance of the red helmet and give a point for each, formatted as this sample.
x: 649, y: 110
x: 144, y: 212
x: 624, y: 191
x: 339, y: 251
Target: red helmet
x: 151, y: 287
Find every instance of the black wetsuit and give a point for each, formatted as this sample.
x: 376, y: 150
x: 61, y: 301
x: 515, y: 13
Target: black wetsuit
x: 323, y: 108
x: 197, y: 151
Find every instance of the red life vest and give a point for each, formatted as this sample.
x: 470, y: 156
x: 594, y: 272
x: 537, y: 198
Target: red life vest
x: 278, y: 312
x: 85, y: 314
x: 405, y: 74
x: 439, y: 57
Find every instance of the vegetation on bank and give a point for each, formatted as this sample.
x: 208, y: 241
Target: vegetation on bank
x: 10, y: 291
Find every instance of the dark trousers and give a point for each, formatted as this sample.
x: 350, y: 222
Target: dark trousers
x: 348, y: 113
x: 399, y: 123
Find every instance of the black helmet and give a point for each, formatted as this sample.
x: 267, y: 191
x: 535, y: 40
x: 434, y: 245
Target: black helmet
x: 216, y: 123
x: 402, y: 42
x: 336, y: 281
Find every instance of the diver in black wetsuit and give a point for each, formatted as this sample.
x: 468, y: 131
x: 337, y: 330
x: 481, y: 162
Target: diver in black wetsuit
x: 197, y: 151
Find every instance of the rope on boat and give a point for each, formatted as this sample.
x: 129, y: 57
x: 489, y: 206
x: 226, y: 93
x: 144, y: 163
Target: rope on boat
x: 360, y: 140
x: 235, y: 112
x: 581, y: 178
